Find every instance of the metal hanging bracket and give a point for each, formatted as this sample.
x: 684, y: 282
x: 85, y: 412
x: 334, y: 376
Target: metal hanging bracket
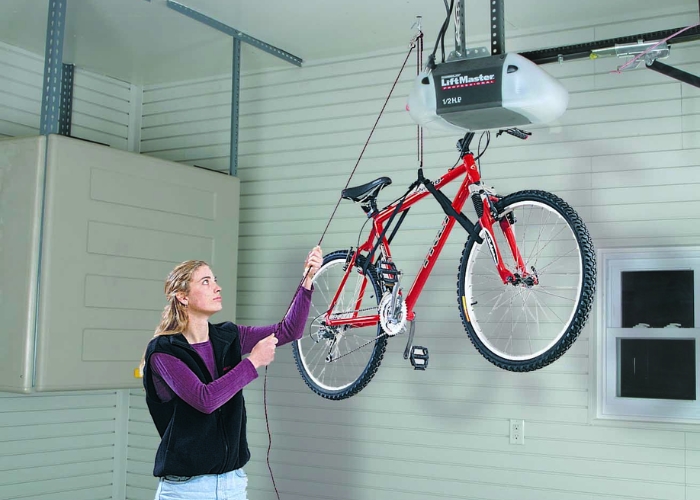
x: 218, y: 25
x: 497, y: 41
x: 651, y: 50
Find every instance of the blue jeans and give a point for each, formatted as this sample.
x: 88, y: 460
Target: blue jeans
x: 229, y: 486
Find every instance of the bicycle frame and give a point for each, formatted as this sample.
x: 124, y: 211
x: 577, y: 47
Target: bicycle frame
x: 470, y: 184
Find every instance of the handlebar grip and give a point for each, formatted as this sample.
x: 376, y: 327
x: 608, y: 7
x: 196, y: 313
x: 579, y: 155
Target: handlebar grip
x: 520, y: 134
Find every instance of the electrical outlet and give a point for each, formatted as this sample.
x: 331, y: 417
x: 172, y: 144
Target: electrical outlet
x: 517, y: 432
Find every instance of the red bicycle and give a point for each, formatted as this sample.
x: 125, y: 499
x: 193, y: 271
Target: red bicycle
x: 525, y: 283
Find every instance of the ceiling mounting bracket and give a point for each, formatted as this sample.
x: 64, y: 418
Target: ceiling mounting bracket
x: 238, y: 37
x: 53, y: 62
x: 218, y: 25
x: 497, y: 41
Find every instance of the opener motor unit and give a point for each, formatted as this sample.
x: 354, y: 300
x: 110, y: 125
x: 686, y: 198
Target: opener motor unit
x: 501, y: 91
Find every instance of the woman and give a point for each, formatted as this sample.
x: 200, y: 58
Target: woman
x: 193, y: 373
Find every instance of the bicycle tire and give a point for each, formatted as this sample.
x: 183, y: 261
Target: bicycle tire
x: 355, y: 366
x: 525, y: 348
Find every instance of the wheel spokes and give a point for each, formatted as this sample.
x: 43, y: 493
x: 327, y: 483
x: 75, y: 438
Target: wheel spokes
x: 518, y: 322
x: 335, y: 358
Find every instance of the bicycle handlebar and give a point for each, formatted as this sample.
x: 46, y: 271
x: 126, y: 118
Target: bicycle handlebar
x: 515, y: 132
x: 464, y: 142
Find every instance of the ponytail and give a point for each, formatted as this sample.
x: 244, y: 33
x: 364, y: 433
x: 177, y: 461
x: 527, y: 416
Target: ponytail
x: 175, y: 318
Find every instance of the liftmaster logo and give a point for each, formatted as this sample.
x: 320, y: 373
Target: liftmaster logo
x: 457, y: 81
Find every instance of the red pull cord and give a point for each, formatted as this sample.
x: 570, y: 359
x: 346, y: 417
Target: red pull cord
x: 417, y: 41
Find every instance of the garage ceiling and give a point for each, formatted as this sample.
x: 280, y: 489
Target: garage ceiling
x: 143, y: 41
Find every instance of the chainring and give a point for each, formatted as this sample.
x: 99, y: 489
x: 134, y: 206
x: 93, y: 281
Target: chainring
x: 393, y: 322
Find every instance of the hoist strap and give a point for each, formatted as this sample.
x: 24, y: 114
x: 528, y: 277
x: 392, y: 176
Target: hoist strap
x: 447, y: 207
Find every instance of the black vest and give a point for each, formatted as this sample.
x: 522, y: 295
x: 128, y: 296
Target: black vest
x: 194, y: 443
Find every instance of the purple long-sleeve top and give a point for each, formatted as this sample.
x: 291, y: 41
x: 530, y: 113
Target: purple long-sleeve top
x: 172, y: 376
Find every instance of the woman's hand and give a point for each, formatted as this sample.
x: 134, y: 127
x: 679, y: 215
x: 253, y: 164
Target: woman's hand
x: 311, y: 265
x: 264, y: 351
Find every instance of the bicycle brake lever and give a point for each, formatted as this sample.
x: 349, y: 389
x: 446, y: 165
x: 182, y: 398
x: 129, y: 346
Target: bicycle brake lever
x: 515, y: 132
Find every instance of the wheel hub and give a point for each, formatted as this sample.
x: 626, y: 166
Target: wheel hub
x: 525, y: 281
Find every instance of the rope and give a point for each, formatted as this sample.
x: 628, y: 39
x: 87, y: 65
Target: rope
x: 418, y: 37
x: 269, y: 435
x: 638, y: 56
x: 416, y: 41
x: 419, y: 66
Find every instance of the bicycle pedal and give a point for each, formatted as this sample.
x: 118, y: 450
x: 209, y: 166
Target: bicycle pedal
x: 419, y: 357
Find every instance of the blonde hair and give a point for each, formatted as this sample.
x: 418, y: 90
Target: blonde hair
x: 174, y: 318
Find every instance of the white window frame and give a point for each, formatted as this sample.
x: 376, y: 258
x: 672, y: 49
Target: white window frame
x: 611, y: 263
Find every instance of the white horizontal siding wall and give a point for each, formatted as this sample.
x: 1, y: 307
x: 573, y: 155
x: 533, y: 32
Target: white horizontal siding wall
x: 101, y: 109
x: 190, y: 122
x: 625, y: 155
x: 21, y: 76
x: 60, y: 446
x: 141, y: 450
x: 102, y: 106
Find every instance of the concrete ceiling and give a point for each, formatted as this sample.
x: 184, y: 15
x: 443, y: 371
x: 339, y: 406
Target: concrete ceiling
x: 143, y: 41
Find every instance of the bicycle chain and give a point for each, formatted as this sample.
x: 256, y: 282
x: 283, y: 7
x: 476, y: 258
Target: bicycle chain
x: 356, y: 311
x: 383, y: 334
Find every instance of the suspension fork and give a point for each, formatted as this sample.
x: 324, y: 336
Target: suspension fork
x: 487, y: 219
x: 509, y: 233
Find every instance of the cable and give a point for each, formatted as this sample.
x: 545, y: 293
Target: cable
x: 418, y: 38
x: 632, y: 61
x: 441, y: 36
x: 359, y: 235
x: 478, y: 148
x: 269, y: 436
x: 444, y: 31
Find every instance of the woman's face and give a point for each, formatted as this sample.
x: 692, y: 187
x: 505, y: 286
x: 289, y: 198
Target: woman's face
x: 204, y: 296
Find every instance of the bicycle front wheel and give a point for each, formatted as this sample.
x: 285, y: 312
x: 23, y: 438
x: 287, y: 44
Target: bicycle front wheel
x: 526, y: 326
x: 337, y: 362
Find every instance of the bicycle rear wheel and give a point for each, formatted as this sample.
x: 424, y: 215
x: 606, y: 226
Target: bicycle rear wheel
x: 520, y: 327
x: 338, y: 362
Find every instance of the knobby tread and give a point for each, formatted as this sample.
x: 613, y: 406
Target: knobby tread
x: 583, y: 307
x: 378, y: 351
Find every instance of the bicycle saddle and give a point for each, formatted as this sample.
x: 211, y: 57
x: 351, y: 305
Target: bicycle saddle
x: 365, y: 191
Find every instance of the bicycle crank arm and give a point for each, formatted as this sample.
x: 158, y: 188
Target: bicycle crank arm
x: 411, y: 332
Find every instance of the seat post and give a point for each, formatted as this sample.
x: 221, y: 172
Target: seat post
x: 370, y: 206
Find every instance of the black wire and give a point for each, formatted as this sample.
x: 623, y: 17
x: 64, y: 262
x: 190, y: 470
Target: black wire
x: 444, y: 32
x: 441, y: 35
x: 360, y: 233
x: 478, y: 148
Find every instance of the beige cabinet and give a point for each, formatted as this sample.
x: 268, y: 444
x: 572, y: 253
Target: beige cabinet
x: 87, y: 236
